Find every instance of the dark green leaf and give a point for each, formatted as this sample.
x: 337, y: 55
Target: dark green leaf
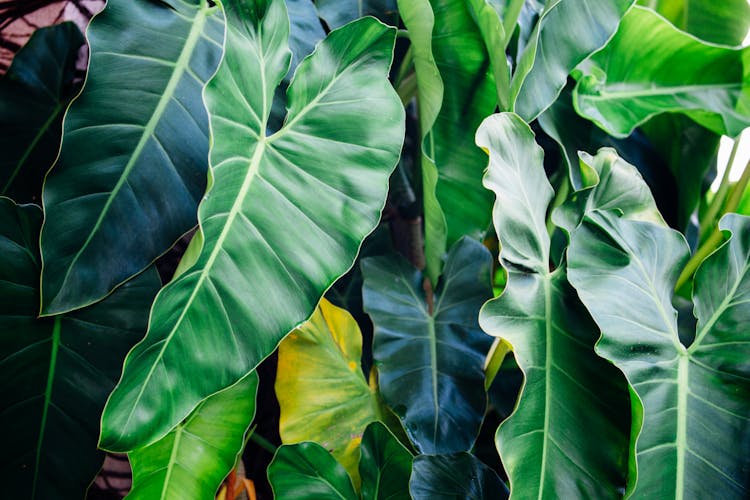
x: 250, y: 283
x: 430, y: 351
x: 385, y: 465
x: 337, y: 13
x: 650, y: 67
x: 306, y: 471
x: 33, y: 95
x: 568, y: 435
x: 56, y: 372
x: 450, y: 477
x: 691, y: 405
x: 133, y: 162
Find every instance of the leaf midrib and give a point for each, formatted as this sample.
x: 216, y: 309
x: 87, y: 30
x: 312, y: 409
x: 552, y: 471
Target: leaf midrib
x: 149, y: 129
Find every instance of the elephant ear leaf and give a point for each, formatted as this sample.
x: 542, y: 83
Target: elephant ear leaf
x: 620, y: 89
x: 193, y: 459
x: 322, y: 392
x: 33, y: 96
x: 323, y: 175
x: 433, y: 343
x: 690, y: 404
x: 306, y: 471
x: 460, y: 475
x: 138, y: 130
x: 385, y: 465
x: 56, y: 372
x: 571, y: 419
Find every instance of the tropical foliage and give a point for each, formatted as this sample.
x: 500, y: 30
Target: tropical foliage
x: 468, y: 247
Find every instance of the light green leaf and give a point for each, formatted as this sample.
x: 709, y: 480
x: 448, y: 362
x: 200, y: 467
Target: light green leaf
x: 306, y: 471
x: 33, y: 95
x: 690, y: 404
x: 137, y: 131
x: 724, y: 22
x: 321, y: 389
x: 385, y: 465
x: 650, y: 67
x: 252, y: 283
x: 429, y: 350
x: 193, y: 459
x: 56, y: 372
x: 567, y: 32
x: 448, y: 477
x: 568, y: 435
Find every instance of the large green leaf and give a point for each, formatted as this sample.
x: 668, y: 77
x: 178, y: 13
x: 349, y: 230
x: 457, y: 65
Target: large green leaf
x: 487, y: 16
x: 429, y: 351
x: 339, y: 12
x: 567, y: 32
x: 133, y: 162
x: 251, y: 283
x: 449, y: 477
x: 385, y: 465
x: 468, y: 96
x: 307, y: 471
x: 321, y: 389
x: 724, y: 22
x: 568, y: 435
x: 691, y: 405
x: 33, y: 95
x: 56, y: 372
x: 650, y: 67
x: 419, y: 19
x: 193, y: 459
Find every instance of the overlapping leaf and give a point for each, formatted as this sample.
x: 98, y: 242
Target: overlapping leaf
x: 650, y: 67
x: 137, y: 131
x: 691, y: 405
x: 56, y: 372
x: 321, y: 389
x: 193, y: 459
x: 429, y: 351
x: 725, y: 22
x: 567, y: 32
x: 385, y: 465
x: 33, y: 96
x: 567, y: 437
x: 339, y: 12
x: 323, y: 176
x: 446, y: 477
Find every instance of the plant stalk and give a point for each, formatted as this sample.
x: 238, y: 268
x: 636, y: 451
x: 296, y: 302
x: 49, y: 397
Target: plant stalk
x: 263, y: 442
x: 510, y: 18
x: 714, y: 208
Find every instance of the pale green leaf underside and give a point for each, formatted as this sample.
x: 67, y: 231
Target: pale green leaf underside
x: 322, y: 177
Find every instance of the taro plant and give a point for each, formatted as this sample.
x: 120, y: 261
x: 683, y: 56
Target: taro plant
x: 378, y: 249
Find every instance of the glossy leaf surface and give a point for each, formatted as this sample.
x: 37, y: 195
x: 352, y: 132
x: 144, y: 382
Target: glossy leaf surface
x: 33, y: 96
x: 567, y: 32
x: 321, y: 389
x: 650, y: 67
x: 430, y: 352
x: 385, y: 465
x: 193, y: 459
x: 690, y: 404
x: 339, y: 12
x: 725, y: 22
x: 251, y: 283
x: 106, y: 215
x: 306, y: 471
x: 568, y: 435
x: 447, y: 477
x: 56, y: 372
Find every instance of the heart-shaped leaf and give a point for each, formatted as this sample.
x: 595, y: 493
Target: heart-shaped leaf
x: 385, y: 465
x: 620, y: 89
x: 250, y: 283
x: 447, y: 477
x: 568, y: 435
x: 429, y: 350
x: 33, y: 96
x: 322, y: 392
x: 691, y: 405
x: 106, y: 215
x: 193, y: 459
x: 56, y: 372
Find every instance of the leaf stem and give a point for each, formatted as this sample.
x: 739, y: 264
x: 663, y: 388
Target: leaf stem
x: 715, y: 239
x: 407, y: 63
x: 263, y: 442
x: 714, y: 208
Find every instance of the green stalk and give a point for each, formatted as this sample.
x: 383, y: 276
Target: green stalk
x: 262, y: 442
x: 406, y: 65
x: 510, y: 18
x: 713, y: 241
x: 714, y: 209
